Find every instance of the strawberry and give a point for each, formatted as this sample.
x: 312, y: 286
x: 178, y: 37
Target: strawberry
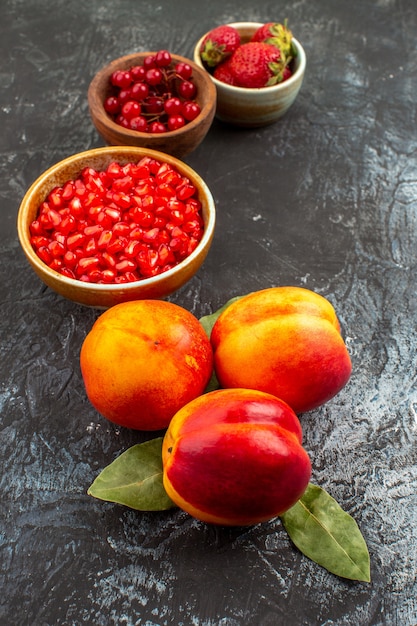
x: 278, y: 35
x: 219, y: 44
x: 257, y: 64
x: 223, y: 73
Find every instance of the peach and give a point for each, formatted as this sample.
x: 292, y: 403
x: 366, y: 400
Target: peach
x: 285, y: 341
x: 143, y: 360
x: 234, y: 457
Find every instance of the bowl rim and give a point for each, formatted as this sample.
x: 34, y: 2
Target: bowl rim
x: 104, y: 73
x: 23, y: 229
x: 233, y: 88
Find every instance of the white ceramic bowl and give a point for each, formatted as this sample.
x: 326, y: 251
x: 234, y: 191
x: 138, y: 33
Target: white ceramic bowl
x: 256, y: 107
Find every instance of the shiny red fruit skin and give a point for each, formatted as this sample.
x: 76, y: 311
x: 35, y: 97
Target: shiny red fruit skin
x: 234, y: 457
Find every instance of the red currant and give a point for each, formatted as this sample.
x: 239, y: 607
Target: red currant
x: 154, y: 76
x: 137, y: 72
x: 190, y: 110
x: 149, y: 62
x: 122, y: 121
x: 154, y: 105
x: 173, y: 106
x: 124, y: 96
x: 139, y: 123
x: 163, y: 58
x: 184, y: 70
x: 175, y: 122
x: 157, y: 127
x: 155, y: 97
x: 139, y: 91
x: 187, y: 89
x: 121, y: 79
x: 131, y: 109
x: 112, y: 105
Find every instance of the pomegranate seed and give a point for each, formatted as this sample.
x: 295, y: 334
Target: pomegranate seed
x: 185, y: 191
x: 44, y: 254
x: 114, y: 170
x: 125, y: 223
x: 39, y: 241
x: 56, y: 264
x: 165, y: 254
x: 121, y: 228
x: 86, y: 264
x: 109, y: 259
x: 136, y: 233
x: 66, y: 271
x: 56, y: 249
x: 91, y: 247
x: 150, y: 235
x: 54, y: 218
x: 75, y: 241
x: 132, y: 248
x: 104, y: 239
x: 108, y: 275
x: 93, y: 231
x: 177, y: 217
x: 35, y: 228
x: 70, y: 259
x: 68, y: 191
x: 116, y: 246
x: 76, y: 207
x: 125, y: 265
x: 68, y: 224
x: 55, y: 198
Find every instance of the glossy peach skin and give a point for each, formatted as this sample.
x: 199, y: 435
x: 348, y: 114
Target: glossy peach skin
x: 143, y: 360
x: 285, y: 341
x: 234, y: 457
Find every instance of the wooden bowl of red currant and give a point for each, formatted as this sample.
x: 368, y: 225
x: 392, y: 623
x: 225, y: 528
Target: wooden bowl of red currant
x: 154, y: 100
x: 114, y: 224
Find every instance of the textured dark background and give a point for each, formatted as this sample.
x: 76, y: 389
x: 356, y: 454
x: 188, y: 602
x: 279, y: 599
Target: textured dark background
x: 327, y: 199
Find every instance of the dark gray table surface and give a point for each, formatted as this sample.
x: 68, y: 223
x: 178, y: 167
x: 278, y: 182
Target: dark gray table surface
x: 326, y: 199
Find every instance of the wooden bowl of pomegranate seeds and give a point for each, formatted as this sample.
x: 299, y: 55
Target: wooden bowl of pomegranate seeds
x: 115, y: 224
x: 154, y: 100
x: 255, y: 107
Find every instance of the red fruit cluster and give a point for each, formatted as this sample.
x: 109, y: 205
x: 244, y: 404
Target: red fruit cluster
x: 119, y: 225
x: 155, y: 97
x: 263, y: 61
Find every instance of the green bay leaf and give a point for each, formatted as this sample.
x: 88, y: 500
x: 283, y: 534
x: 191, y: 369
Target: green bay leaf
x: 135, y: 479
x: 208, y: 321
x: 327, y: 535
